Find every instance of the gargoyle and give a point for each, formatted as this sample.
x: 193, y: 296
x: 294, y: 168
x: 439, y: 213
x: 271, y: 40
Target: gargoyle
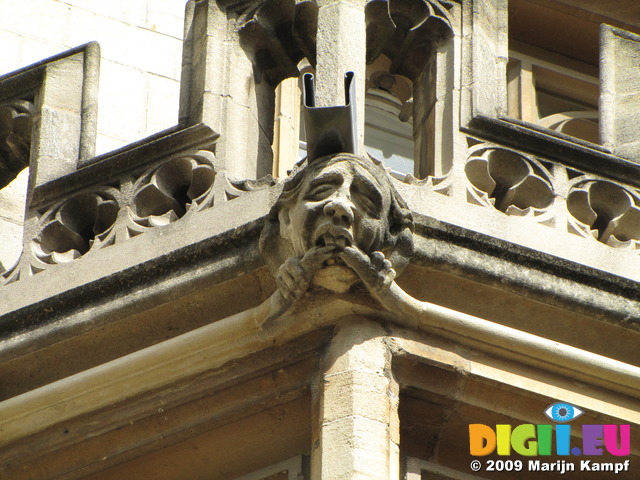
x: 338, y: 220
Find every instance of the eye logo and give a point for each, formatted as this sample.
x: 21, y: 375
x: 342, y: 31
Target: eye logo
x: 562, y: 412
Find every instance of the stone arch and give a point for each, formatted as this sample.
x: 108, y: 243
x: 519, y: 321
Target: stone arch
x: 415, y: 36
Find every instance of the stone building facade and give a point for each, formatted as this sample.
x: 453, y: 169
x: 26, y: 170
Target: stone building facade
x: 405, y: 275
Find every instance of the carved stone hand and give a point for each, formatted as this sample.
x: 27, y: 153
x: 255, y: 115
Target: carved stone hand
x: 376, y: 271
x: 378, y: 275
x: 294, y: 278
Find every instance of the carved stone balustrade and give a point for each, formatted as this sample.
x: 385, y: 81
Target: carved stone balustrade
x: 124, y: 194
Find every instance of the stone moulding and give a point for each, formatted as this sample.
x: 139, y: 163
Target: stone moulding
x: 137, y: 156
x: 548, y: 279
x: 560, y: 149
x: 520, y: 184
x: 214, y: 345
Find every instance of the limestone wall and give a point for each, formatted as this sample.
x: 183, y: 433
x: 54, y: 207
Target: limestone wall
x: 141, y: 49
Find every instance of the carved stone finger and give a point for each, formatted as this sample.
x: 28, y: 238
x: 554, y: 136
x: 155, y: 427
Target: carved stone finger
x: 315, y: 257
x: 300, y: 289
x: 379, y: 261
x: 293, y: 278
x: 356, y: 259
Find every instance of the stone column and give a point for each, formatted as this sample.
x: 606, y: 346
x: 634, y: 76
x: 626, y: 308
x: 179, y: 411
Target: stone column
x: 341, y: 47
x: 64, y: 124
x: 219, y: 89
x: 356, y: 420
x: 620, y: 91
x: 486, y: 36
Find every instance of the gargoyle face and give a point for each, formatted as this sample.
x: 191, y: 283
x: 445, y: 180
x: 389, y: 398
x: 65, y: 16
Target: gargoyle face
x: 339, y: 200
x: 341, y: 204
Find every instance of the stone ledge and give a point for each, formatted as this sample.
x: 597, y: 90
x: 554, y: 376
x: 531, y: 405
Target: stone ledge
x: 217, y: 246
x: 182, y: 250
x: 528, y: 272
x: 138, y: 155
x: 561, y: 148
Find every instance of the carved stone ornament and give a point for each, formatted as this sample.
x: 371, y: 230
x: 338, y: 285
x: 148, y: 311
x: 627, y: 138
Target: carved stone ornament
x: 508, y: 181
x: 15, y: 138
x: 335, y: 207
x: 167, y: 193
x: 606, y: 211
x: 72, y: 228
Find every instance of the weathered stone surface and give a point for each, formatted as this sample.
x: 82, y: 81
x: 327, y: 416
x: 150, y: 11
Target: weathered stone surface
x: 620, y: 91
x: 144, y: 336
x: 357, y: 435
x: 334, y: 202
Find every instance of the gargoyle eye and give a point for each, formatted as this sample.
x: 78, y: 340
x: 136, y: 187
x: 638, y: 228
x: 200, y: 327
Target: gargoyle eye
x: 367, y: 203
x: 320, y: 191
x: 562, y: 412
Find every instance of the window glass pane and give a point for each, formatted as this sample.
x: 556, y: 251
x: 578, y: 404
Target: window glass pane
x: 386, y: 137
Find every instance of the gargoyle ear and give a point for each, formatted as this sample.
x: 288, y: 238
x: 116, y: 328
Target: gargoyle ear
x: 285, y: 222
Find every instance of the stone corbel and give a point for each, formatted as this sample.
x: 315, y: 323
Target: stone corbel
x: 324, y: 244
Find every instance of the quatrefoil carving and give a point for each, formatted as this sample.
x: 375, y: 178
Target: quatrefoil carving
x: 606, y: 211
x: 168, y: 192
x: 513, y: 184
x: 71, y: 229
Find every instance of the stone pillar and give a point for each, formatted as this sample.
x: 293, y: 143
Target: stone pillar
x: 486, y: 35
x: 219, y: 89
x: 64, y: 125
x: 620, y: 92
x: 341, y: 47
x: 356, y: 420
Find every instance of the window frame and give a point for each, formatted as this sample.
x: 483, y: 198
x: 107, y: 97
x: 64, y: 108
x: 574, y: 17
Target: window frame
x: 296, y: 468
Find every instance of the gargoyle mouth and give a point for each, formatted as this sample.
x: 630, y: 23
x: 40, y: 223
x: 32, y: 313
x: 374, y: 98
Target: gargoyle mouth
x: 334, y: 236
x: 338, y: 237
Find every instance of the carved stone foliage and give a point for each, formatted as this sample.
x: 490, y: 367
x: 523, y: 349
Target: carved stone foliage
x: 277, y: 33
x: 15, y: 138
x: 510, y: 182
x: 606, y: 211
x: 406, y: 31
x: 71, y: 228
x: 166, y: 193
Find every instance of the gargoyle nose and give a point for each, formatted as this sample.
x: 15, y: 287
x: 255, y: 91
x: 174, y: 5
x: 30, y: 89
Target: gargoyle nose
x: 340, y: 211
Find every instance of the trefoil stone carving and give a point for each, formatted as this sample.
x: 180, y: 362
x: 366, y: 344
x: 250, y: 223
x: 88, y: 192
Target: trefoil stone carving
x: 105, y: 215
x: 70, y: 229
x: 166, y: 193
x: 605, y: 211
x: 510, y: 182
